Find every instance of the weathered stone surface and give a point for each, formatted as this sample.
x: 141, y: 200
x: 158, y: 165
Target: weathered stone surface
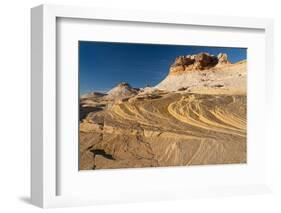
x: 222, y: 58
x: 205, y: 61
x: 121, y: 91
x: 201, y: 61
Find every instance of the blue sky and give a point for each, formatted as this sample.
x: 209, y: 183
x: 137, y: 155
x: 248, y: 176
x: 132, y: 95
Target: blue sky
x: 103, y: 65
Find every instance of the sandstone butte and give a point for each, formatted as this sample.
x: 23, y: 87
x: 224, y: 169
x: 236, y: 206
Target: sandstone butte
x: 195, y: 116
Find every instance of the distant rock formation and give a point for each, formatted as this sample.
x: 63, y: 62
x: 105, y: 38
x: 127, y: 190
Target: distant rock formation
x: 205, y: 72
x: 122, y: 90
x: 201, y: 61
x: 201, y: 73
x: 92, y: 95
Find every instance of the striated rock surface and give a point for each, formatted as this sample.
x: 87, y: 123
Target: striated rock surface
x: 170, y: 130
x: 195, y: 116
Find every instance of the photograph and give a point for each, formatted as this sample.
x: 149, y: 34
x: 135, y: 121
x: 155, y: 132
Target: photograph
x: 161, y: 105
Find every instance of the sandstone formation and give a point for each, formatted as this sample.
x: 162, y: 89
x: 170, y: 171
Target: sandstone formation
x: 206, y: 73
x: 222, y: 59
x: 195, y: 116
x: 200, y: 61
x: 122, y: 90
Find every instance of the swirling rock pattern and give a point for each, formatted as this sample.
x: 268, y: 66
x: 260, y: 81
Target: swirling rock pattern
x: 193, y: 117
x: 171, y: 130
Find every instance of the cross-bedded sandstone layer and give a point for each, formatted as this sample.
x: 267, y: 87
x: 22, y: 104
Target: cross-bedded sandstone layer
x: 196, y: 116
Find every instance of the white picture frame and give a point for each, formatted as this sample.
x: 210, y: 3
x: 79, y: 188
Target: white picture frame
x: 44, y: 154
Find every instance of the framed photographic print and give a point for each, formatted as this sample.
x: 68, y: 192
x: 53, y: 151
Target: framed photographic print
x: 194, y: 114
x: 129, y: 106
